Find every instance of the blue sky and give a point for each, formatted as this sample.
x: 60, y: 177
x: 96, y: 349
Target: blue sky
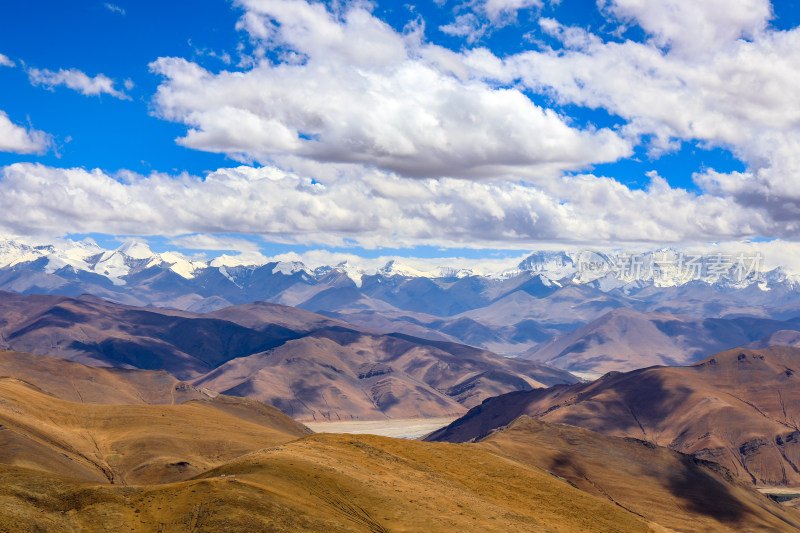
x: 464, y: 128
x: 106, y: 132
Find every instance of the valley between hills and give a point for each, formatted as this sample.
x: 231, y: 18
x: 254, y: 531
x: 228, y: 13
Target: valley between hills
x: 122, y: 418
x: 160, y: 455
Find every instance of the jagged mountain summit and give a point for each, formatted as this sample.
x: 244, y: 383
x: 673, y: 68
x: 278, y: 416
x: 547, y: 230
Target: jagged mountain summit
x: 86, y: 256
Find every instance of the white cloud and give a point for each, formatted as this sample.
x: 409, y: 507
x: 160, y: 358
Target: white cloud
x: 372, y: 210
x: 466, y: 25
x: 204, y: 241
x: 17, y: 139
x: 496, y: 10
x: 691, y: 27
x: 114, y: 8
x: 358, y: 106
x: 6, y: 62
x: 740, y: 98
x: 484, y: 266
x: 476, y: 18
x: 77, y: 81
x: 357, y: 91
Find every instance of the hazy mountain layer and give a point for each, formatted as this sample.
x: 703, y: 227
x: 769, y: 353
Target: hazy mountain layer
x: 625, y: 339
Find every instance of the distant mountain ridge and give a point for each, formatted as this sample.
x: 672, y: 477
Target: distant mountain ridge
x: 512, y: 312
x: 666, y: 267
x: 308, y: 365
x: 625, y: 339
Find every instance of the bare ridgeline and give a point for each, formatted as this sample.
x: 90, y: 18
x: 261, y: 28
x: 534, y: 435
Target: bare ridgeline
x: 188, y: 414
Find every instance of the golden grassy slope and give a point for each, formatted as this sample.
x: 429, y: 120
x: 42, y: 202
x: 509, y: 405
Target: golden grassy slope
x: 71, y: 466
x: 132, y: 443
x: 324, y: 483
x: 315, y: 483
x: 667, y: 487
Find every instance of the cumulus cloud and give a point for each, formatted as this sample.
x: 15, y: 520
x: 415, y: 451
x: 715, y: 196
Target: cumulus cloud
x: 352, y: 89
x: 740, y: 97
x: 17, y: 139
x: 713, y: 100
x: 372, y: 210
x: 6, y: 62
x: 466, y: 25
x: 690, y: 27
x: 341, y: 109
x: 77, y: 81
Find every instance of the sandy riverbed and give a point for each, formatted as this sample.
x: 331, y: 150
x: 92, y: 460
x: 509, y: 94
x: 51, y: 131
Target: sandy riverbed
x: 402, y: 428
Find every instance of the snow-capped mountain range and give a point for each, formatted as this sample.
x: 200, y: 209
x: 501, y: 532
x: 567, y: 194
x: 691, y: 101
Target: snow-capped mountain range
x: 510, y: 311
x: 605, y: 271
x: 87, y: 256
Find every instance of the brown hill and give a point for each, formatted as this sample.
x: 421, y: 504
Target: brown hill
x: 88, y: 384
x: 376, y: 484
x: 341, y: 374
x: 334, y: 483
x: 235, y: 464
x: 310, y: 366
x: 669, y: 488
x: 97, y: 332
x: 132, y: 443
x: 739, y: 408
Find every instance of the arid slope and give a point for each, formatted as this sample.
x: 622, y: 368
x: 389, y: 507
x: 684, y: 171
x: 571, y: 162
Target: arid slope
x: 226, y: 463
x: 132, y: 444
x: 102, y: 385
x: 325, y: 483
x: 739, y: 408
x: 672, y: 489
